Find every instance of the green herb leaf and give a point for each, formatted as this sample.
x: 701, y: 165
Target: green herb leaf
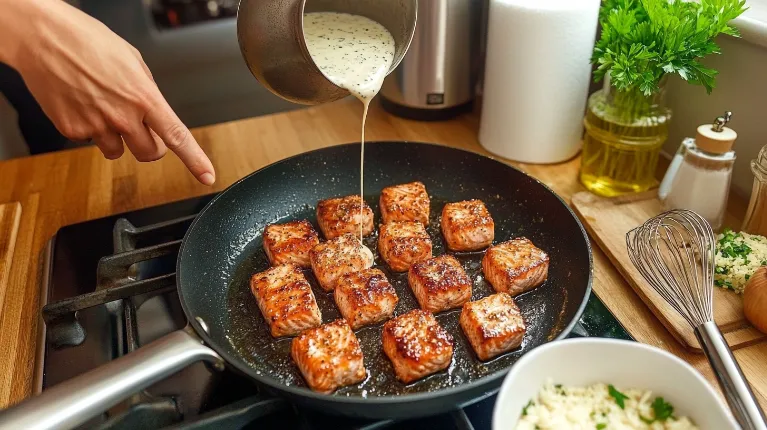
x: 662, y: 409
x: 601, y: 426
x: 524, y: 410
x: 618, y: 396
x: 731, y: 245
x: 643, y: 40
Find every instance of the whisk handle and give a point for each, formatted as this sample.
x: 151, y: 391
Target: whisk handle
x: 734, y: 385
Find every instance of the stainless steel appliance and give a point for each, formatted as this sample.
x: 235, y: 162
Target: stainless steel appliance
x: 437, y: 77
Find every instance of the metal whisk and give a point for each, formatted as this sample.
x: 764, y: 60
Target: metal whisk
x: 675, y: 253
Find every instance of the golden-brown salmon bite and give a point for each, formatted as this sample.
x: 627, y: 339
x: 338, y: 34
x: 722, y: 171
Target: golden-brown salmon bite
x: 290, y: 243
x: 493, y: 325
x: 286, y: 300
x: 515, y: 266
x: 439, y: 283
x: 365, y: 297
x: 339, y: 256
x: 467, y: 226
x: 329, y: 357
x: 417, y: 345
x: 341, y: 215
x: 403, y: 243
x: 405, y: 202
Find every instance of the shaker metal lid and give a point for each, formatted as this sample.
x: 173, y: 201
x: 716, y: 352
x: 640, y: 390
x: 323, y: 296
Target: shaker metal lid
x: 716, y: 138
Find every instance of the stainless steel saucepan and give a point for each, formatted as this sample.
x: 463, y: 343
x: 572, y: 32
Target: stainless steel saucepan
x: 272, y: 42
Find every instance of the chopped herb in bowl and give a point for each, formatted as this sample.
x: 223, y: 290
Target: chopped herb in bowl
x: 738, y: 255
x: 599, y: 406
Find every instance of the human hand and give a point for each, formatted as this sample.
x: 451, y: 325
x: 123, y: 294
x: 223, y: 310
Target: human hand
x: 92, y: 84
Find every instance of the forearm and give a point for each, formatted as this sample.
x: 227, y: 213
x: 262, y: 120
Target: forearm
x: 18, y: 24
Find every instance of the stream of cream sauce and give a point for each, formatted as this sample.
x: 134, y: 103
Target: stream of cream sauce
x: 355, y: 53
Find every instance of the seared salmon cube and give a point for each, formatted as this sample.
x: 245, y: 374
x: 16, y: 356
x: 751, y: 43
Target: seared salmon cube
x: 417, y: 345
x: 329, y: 357
x: 515, y: 266
x: 439, y: 283
x: 493, y: 325
x: 342, y: 215
x: 286, y: 300
x: 405, y: 202
x: 365, y: 297
x: 290, y: 243
x: 467, y: 226
x: 339, y: 256
x: 403, y: 243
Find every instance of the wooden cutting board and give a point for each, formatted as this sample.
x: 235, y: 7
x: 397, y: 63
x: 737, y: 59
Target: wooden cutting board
x: 609, y: 219
x: 10, y: 216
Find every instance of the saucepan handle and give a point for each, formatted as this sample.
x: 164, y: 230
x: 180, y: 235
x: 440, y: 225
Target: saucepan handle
x: 79, y: 399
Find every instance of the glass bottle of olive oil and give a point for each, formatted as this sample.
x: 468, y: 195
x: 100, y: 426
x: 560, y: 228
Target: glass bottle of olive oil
x: 624, y: 134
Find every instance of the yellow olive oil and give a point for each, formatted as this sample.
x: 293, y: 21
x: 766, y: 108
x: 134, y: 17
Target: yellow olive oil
x: 623, y: 138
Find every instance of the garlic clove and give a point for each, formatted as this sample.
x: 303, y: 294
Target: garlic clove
x: 755, y: 299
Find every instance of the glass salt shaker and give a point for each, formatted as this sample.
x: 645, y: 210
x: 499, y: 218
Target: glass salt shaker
x: 699, y: 176
x: 756, y: 216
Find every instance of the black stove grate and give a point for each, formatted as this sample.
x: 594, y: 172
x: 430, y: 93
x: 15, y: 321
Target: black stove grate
x: 134, y: 302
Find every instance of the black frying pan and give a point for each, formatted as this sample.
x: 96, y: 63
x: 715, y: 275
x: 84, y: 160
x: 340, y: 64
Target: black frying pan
x: 223, y: 248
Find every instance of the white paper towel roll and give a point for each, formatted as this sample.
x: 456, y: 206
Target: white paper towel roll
x: 537, y: 78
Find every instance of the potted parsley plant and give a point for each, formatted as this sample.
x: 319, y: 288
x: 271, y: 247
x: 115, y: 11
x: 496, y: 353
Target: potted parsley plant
x: 641, y: 43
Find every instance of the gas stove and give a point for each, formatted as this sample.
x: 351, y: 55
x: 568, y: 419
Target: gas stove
x: 109, y: 287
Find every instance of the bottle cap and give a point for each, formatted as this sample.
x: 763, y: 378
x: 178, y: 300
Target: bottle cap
x: 716, y: 138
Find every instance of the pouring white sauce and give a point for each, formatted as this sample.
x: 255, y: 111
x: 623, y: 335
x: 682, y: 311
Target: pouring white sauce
x: 353, y: 52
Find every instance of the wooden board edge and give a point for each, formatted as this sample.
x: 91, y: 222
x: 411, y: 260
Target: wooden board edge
x: 15, y: 223
x: 586, y: 197
x: 738, y: 335
x: 690, y: 343
x: 746, y: 335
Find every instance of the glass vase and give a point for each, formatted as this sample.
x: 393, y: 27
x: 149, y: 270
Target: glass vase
x: 625, y: 131
x: 756, y: 216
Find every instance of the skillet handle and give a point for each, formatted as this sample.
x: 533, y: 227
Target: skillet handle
x: 75, y: 401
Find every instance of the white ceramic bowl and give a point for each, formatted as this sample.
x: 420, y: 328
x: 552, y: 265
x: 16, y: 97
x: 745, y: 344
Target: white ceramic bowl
x: 585, y: 361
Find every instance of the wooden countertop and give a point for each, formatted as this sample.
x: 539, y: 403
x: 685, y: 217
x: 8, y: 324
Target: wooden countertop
x: 77, y: 185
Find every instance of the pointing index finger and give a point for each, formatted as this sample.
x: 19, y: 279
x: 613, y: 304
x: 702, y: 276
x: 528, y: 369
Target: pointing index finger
x: 179, y: 139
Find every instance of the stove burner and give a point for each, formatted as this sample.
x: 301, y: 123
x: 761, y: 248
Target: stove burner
x: 135, y: 302
x: 119, y: 278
